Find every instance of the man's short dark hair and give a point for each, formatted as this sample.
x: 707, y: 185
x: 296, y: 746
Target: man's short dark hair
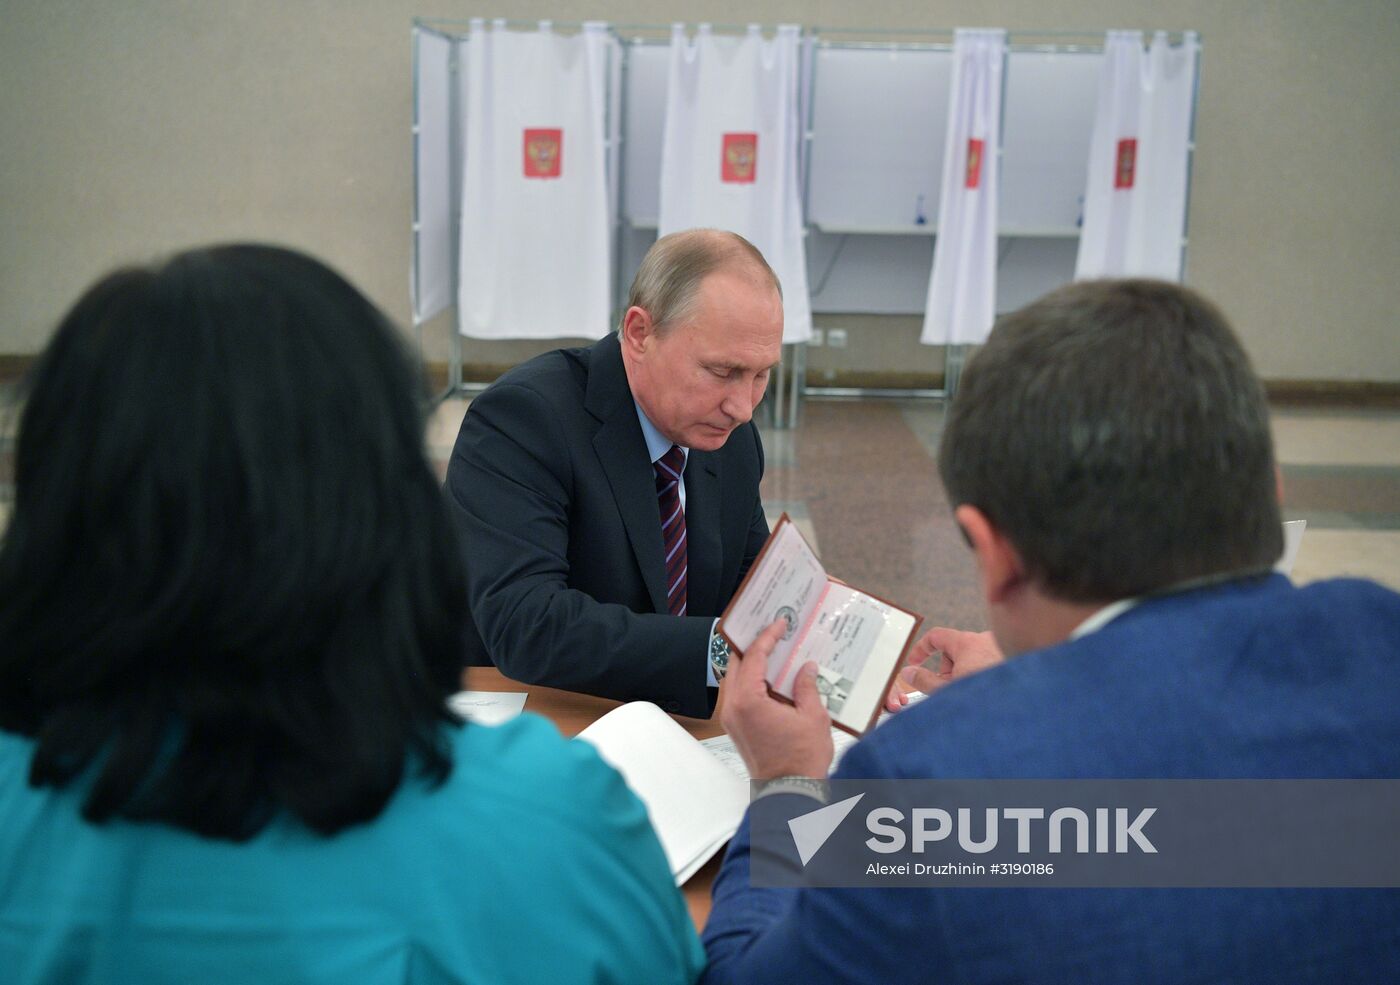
x: 229, y: 587
x: 1115, y: 433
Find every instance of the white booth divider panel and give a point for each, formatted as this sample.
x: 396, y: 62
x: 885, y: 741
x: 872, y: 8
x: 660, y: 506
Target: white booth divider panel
x: 646, y: 120
x: 878, y: 122
x: 432, y: 281
x: 878, y: 125
x: 1049, y: 118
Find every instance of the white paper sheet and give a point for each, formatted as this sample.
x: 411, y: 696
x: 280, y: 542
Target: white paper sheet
x: 694, y: 802
x: 487, y: 707
x: 1292, y: 540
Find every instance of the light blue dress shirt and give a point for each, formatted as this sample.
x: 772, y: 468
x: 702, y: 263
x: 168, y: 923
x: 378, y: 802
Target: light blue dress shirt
x: 658, y: 444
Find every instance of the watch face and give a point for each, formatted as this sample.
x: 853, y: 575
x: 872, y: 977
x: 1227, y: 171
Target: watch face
x: 719, y: 655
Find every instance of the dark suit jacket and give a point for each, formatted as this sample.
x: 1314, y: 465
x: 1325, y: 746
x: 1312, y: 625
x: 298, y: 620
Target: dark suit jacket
x: 1253, y: 679
x: 553, y: 496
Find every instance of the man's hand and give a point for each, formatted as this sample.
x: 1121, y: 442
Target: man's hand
x: 774, y: 738
x: 962, y: 654
x: 897, y: 698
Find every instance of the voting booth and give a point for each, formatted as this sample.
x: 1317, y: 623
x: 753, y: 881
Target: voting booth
x: 872, y: 147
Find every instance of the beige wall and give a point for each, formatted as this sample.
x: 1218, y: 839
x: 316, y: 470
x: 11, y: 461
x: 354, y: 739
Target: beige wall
x: 131, y: 127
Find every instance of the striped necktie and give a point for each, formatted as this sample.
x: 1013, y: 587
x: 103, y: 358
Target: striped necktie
x: 668, y: 470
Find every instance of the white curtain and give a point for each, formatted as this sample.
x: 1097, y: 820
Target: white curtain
x: 535, y: 256
x: 430, y: 278
x: 1135, y: 199
x: 963, y: 286
x: 730, y: 151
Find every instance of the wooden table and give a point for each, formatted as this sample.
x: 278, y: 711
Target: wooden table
x: 572, y: 713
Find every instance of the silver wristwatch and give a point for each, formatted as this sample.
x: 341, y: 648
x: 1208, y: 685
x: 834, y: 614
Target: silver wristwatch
x: 805, y: 785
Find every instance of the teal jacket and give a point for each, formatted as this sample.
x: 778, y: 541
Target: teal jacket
x: 533, y: 863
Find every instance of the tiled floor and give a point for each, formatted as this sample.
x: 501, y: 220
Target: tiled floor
x: 858, y: 478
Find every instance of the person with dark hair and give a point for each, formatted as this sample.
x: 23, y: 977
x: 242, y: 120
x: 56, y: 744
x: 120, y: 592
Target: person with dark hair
x: 231, y: 611
x: 1110, y: 463
x: 585, y: 570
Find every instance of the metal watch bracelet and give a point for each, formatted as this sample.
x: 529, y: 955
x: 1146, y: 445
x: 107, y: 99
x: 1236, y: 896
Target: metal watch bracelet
x: 804, y: 785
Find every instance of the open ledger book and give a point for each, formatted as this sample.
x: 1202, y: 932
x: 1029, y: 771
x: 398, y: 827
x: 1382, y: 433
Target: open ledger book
x: 695, y: 803
x: 857, y: 640
x: 695, y: 791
